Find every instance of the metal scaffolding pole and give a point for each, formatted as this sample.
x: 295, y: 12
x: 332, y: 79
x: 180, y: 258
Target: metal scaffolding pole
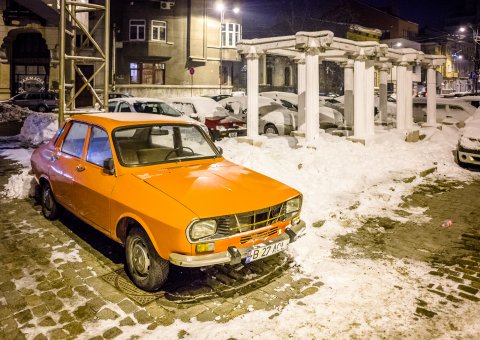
x: 70, y: 26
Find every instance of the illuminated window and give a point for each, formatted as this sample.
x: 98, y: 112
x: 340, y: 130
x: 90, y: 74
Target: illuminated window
x: 159, y: 31
x: 147, y: 73
x: 231, y: 34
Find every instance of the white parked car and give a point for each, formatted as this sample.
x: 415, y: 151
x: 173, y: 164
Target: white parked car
x: 147, y: 105
x: 450, y: 111
x: 273, y: 117
x: 329, y: 116
x: 217, y: 119
x: 468, y: 147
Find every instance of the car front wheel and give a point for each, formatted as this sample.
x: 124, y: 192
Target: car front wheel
x: 50, y: 208
x: 270, y: 129
x: 145, y: 267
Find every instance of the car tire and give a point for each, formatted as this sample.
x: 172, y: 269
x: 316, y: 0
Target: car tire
x: 41, y: 108
x: 145, y: 267
x: 270, y: 128
x: 50, y: 208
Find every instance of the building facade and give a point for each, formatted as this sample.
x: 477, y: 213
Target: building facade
x: 166, y: 48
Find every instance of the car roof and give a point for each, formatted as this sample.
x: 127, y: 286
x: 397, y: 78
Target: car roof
x: 112, y: 120
x: 132, y: 100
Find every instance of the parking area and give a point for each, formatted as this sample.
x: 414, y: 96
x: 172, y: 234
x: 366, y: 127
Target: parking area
x: 63, y: 279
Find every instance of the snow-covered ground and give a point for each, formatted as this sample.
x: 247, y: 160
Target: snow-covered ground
x: 360, y: 297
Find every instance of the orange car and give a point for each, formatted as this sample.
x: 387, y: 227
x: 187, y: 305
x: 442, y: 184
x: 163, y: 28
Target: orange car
x: 160, y: 187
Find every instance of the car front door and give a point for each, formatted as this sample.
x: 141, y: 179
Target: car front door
x: 65, y: 162
x: 92, y: 185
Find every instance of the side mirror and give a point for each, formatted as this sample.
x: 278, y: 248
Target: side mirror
x: 220, y: 150
x: 109, y: 166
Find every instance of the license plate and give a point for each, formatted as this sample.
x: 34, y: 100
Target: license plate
x: 232, y: 134
x: 261, y: 252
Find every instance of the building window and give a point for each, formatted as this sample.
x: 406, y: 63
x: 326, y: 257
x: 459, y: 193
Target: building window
x: 147, y: 73
x: 159, y: 31
x: 231, y: 34
x: 137, y: 29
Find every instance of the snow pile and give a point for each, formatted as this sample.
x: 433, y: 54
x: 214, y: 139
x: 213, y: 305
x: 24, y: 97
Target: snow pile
x: 38, y: 127
x: 12, y: 113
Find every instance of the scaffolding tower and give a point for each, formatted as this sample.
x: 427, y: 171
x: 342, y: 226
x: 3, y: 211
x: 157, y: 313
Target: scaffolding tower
x: 85, y: 18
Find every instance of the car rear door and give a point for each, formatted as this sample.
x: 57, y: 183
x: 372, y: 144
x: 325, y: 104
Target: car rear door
x: 93, y: 186
x: 65, y: 162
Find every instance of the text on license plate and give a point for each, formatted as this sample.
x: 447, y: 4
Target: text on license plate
x: 260, y: 252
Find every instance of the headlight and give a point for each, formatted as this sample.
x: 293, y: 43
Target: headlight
x: 201, y: 229
x: 293, y: 205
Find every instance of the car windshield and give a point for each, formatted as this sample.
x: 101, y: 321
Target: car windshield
x: 161, y: 143
x: 156, y: 107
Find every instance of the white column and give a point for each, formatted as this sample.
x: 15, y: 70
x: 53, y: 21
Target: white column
x: 369, y: 98
x: 431, y: 96
x: 312, y: 120
x: 359, y: 126
x: 401, y: 95
x: 252, y: 93
x: 409, y: 98
x: 302, y: 84
x: 348, y: 92
x: 383, y: 94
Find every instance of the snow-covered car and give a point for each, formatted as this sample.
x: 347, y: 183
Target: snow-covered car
x: 468, y: 147
x: 161, y: 188
x: 449, y: 111
x: 148, y: 105
x: 273, y: 117
x: 329, y: 116
x: 206, y: 110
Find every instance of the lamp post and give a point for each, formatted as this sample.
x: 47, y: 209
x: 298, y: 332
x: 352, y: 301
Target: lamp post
x: 476, y: 55
x: 221, y: 8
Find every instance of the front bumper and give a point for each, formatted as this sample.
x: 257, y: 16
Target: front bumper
x: 468, y: 156
x: 233, y: 255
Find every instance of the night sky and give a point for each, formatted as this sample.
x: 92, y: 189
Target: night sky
x: 424, y: 12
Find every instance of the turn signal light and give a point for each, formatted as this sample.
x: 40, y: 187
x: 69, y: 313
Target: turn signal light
x: 205, y: 247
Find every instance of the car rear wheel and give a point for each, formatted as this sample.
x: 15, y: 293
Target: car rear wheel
x: 41, y: 108
x: 270, y: 129
x: 145, y: 267
x: 50, y: 208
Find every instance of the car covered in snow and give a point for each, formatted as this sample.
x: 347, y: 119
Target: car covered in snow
x: 218, y: 120
x: 329, y: 117
x: 449, y: 110
x: 161, y: 188
x: 468, y: 147
x: 273, y: 117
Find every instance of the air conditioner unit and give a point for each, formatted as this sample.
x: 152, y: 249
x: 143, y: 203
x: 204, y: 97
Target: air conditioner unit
x: 167, y: 4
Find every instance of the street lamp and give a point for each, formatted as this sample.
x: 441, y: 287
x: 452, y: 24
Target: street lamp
x: 221, y: 8
x: 476, y: 57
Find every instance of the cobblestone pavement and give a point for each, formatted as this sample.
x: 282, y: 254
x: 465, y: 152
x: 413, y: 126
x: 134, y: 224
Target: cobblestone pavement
x: 58, y: 277
x: 449, y: 241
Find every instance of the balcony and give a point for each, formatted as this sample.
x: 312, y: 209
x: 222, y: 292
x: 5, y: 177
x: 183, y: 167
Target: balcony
x: 142, y: 49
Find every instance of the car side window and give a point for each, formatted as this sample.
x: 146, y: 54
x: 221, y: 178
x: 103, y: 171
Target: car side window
x: 98, y: 147
x: 75, y: 139
x: 111, y: 106
x: 124, y: 107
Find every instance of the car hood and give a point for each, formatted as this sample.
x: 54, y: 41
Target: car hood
x: 218, y: 188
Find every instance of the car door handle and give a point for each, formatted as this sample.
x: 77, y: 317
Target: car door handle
x: 80, y: 168
x: 53, y: 158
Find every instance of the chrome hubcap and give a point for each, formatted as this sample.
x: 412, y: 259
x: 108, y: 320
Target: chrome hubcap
x: 270, y: 130
x: 139, y: 257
